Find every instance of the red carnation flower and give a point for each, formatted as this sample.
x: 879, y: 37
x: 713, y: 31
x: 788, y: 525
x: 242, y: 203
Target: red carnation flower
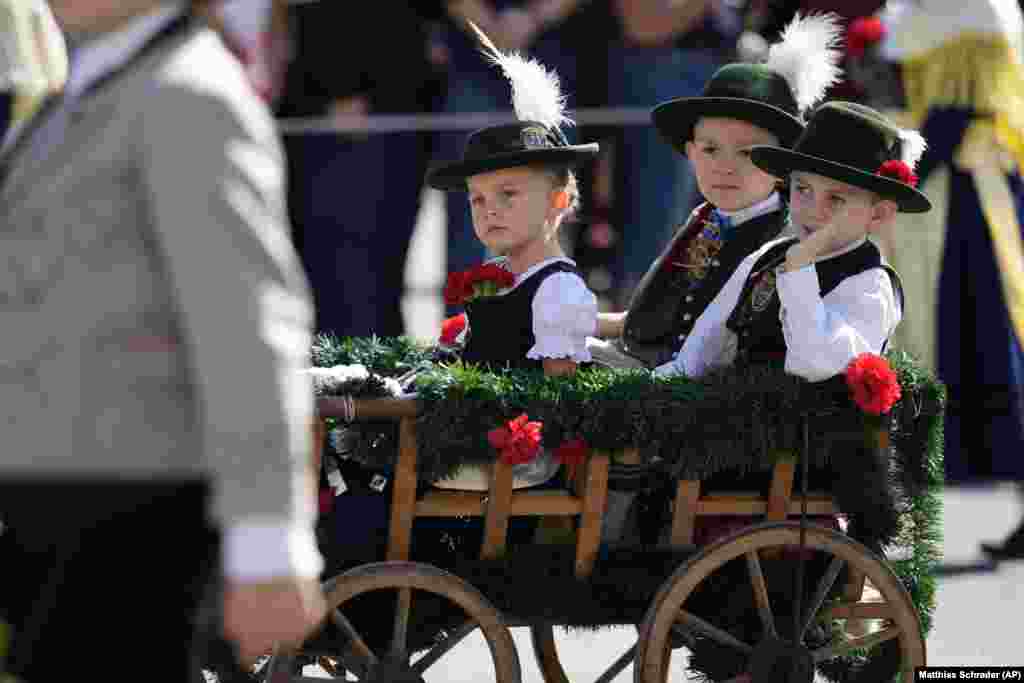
x: 873, y: 383
x: 572, y: 454
x: 898, y: 170
x: 493, y: 272
x: 862, y: 33
x: 452, y: 328
x: 518, y: 441
x: 457, y: 288
x: 482, y: 280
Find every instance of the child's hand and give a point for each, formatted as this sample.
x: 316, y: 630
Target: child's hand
x: 839, y: 232
x: 554, y: 367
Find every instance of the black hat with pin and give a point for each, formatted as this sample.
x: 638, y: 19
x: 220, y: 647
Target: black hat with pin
x: 536, y: 138
x: 857, y: 145
x: 772, y: 95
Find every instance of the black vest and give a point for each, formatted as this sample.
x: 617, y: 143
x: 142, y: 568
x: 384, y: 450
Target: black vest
x: 666, y: 309
x: 755, y: 319
x: 501, y: 327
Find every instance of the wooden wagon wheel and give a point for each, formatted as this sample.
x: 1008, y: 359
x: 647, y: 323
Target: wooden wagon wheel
x: 545, y: 651
x: 669, y: 609
x: 397, y: 664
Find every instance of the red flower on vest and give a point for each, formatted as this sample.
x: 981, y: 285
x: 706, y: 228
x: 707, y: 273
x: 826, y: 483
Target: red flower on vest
x: 451, y: 328
x: 482, y: 280
x: 873, y: 383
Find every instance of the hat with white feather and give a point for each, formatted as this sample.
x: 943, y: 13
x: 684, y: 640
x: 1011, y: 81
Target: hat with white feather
x: 854, y: 144
x: 535, y: 139
x: 772, y: 95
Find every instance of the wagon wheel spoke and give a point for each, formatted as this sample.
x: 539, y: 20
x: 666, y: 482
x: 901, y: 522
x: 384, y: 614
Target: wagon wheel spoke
x: 863, y: 643
x: 820, y: 593
x: 357, y: 644
x: 764, y: 606
x: 624, y: 660
x: 441, y: 649
x: 715, y: 633
x: 680, y: 632
x: 403, y: 605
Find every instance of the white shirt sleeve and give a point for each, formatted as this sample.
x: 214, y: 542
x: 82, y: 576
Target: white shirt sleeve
x: 711, y: 343
x: 564, y: 315
x: 824, y: 334
x: 267, y: 549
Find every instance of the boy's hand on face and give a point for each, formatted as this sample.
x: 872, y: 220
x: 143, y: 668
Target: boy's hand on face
x: 837, y: 233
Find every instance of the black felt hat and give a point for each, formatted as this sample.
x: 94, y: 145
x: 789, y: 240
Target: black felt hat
x: 536, y: 138
x: 522, y: 143
x: 772, y: 95
x: 749, y: 92
x: 854, y: 144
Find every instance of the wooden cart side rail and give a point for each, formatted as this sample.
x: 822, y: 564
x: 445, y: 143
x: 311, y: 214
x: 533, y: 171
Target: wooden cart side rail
x: 367, y: 408
x: 496, y: 505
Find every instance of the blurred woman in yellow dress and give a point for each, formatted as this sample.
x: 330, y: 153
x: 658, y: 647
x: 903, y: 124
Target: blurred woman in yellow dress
x: 957, y: 69
x: 33, y: 63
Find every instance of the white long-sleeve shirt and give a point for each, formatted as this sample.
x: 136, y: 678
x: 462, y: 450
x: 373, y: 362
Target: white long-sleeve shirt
x: 822, y: 334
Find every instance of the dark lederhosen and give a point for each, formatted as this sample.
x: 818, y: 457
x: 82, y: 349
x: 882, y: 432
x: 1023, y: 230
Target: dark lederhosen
x: 501, y: 327
x: 667, y: 308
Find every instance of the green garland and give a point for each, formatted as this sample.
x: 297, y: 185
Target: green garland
x: 737, y: 419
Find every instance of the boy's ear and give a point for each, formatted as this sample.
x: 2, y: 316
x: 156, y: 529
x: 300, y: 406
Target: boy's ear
x: 882, y: 214
x: 690, y: 147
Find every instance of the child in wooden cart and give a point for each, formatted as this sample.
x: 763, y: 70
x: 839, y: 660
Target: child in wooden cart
x: 743, y: 104
x: 816, y: 300
x: 529, y: 308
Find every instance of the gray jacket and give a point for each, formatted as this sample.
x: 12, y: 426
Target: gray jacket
x: 154, y: 317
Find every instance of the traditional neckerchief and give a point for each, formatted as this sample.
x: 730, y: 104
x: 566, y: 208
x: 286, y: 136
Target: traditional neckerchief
x: 725, y: 225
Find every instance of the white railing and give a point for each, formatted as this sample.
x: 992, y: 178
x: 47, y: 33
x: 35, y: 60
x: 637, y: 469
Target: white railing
x: 396, y: 123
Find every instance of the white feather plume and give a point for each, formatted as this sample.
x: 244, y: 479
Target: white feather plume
x: 536, y: 91
x: 807, y: 56
x: 912, y: 147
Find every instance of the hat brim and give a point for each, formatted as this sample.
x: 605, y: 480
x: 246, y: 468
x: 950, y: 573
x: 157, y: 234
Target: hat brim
x: 781, y: 162
x: 452, y: 175
x: 675, y: 119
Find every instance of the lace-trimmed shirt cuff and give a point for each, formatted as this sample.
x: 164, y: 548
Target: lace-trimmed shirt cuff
x: 264, y: 550
x: 564, y: 315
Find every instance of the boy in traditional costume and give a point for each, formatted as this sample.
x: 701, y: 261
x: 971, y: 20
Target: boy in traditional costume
x: 742, y: 105
x: 815, y: 300
x: 820, y: 298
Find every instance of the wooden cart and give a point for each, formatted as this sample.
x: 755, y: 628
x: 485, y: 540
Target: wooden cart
x: 869, y: 589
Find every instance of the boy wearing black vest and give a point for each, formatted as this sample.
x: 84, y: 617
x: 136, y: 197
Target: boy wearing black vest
x: 742, y: 105
x: 821, y: 296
